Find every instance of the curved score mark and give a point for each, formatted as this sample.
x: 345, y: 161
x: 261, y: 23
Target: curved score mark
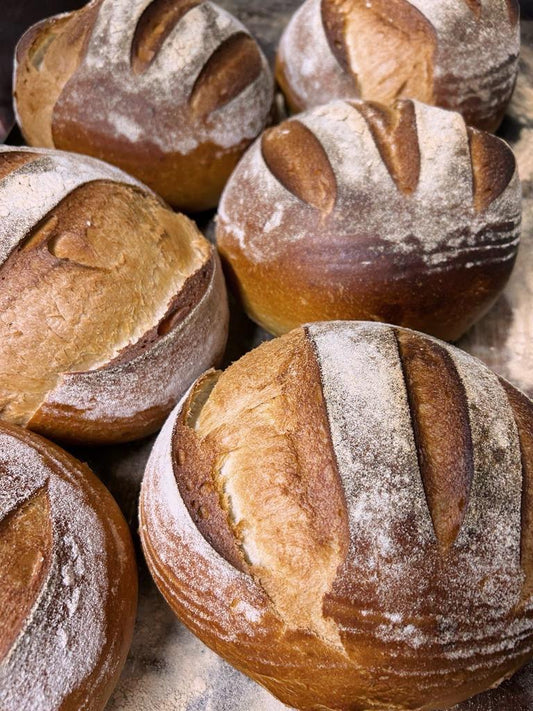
x: 154, y: 26
x: 441, y: 426
x: 396, y: 138
x: 297, y: 159
x: 25, y: 556
x: 232, y: 67
x: 493, y: 166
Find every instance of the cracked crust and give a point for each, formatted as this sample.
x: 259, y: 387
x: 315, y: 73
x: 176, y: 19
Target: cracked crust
x: 174, y: 88
x: 101, y: 284
x: 314, y: 516
x: 459, y: 54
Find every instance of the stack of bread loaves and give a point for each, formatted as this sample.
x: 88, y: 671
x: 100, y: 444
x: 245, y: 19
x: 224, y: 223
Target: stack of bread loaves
x: 345, y: 513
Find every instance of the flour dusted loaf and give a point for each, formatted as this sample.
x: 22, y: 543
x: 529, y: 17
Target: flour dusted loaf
x: 172, y: 91
x: 458, y: 54
x: 345, y: 514
x: 356, y: 211
x: 68, y: 580
x: 110, y: 303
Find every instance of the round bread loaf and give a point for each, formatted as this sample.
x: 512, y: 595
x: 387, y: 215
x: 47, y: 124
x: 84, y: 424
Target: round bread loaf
x: 110, y: 303
x: 172, y: 91
x: 458, y: 54
x: 402, y: 215
x: 68, y: 580
x: 346, y: 515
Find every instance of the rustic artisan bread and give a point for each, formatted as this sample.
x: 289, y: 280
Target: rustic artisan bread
x: 458, y: 54
x: 68, y: 581
x: 110, y: 303
x: 355, y: 211
x: 172, y: 91
x: 345, y: 515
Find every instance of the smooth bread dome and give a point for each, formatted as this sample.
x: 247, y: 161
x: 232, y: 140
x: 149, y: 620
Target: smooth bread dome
x: 403, y: 215
x: 171, y: 91
x: 110, y: 306
x: 458, y: 54
x: 345, y: 515
x: 68, y: 580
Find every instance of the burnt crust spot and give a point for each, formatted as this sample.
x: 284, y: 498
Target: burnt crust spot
x: 25, y: 557
x: 441, y: 428
x: 523, y: 413
x: 297, y: 159
x: 395, y: 134
x: 154, y: 26
x: 493, y: 166
x: 232, y: 67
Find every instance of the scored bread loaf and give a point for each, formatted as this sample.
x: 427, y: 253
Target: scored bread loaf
x: 68, y: 581
x: 172, y: 91
x: 111, y: 304
x: 458, y: 54
x: 403, y: 215
x: 345, y: 515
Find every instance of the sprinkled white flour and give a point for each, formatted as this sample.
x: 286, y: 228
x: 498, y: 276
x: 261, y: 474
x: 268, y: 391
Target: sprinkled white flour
x: 373, y: 441
x: 48, y: 180
x: 63, y: 636
x: 437, y: 224
x: 121, y: 99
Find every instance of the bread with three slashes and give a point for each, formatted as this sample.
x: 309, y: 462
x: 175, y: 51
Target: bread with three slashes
x: 171, y: 91
x: 345, y: 514
x: 458, y: 54
x: 68, y: 580
x: 110, y: 303
x: 403, y: 215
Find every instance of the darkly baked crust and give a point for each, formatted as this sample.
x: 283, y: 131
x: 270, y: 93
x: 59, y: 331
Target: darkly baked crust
x: 344, y: 514
x: 403, y: 215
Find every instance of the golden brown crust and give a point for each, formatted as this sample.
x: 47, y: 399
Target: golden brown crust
x: 214, y: 100
x: 37, y: 523
x: 461, y: 55
x: 102, y: 286
x: 367, y: 224
x: 409, y: 620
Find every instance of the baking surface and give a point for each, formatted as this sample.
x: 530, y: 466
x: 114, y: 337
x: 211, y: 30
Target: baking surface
x: 168, y: 669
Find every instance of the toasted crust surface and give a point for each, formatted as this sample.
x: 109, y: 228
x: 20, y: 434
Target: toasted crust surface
x: 401, y: 215
x: 457, y: 54
x: 68, y: 580
x: 166, y: 89
x: 364, y: 529
x: 101, y: 284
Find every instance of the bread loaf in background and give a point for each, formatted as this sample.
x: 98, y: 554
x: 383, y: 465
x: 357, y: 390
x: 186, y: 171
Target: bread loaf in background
x: 68, y: 580
x: 111, y: 304
x: 345, y: 515
x: 172, y: 91
x: 357, y: 211
x: 458, y: 54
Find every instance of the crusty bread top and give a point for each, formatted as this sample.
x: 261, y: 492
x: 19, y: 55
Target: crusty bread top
x: 418, y: 553
x: 412, y: 181
x: 92, y: 263
x: 461, y: 54
x: 62, y: 560
x: 171, y: 75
